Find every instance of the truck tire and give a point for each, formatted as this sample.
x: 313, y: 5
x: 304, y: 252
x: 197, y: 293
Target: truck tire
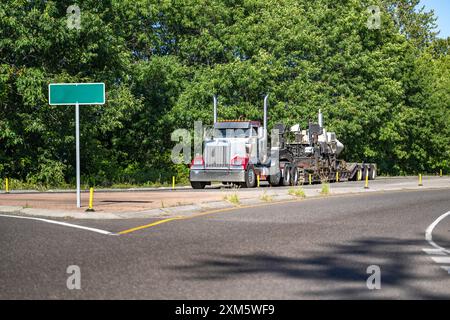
x: 286, y: 179
x: 198, y: 185
x: 372, y: 172
x: 359, y: 175
x: 275, y: 179
x: 365, y: 169
x: 250, y: 178
x: 294, y: 176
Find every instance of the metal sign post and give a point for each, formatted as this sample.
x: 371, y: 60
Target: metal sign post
x: 77, y: 142
x: 76, y: 94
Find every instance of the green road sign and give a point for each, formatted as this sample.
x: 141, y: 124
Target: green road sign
x: 76, y: 93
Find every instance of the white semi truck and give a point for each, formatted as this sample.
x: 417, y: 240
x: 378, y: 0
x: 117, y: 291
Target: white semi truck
x: 238, y: 152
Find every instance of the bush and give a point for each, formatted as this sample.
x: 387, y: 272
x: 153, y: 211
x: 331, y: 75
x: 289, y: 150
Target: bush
x: 297, y: 192
x: 50, y: 175
x: 325, y: 189
x: 233, y: 199
x: 266, y: 198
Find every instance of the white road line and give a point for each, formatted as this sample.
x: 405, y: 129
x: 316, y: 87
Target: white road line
x: 434, y: 252
x: 60, y: 223
x: 429, y: 232
x: 446, y: 269
x: 441, y: 259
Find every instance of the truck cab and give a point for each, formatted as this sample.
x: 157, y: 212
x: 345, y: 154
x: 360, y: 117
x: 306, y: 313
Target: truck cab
x: 231, y: 150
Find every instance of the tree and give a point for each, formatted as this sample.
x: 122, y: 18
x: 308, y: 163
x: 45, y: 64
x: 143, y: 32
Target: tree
x: 383, y: 90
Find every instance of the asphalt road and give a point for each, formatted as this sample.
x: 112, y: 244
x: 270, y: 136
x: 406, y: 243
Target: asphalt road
x: 315, y: 249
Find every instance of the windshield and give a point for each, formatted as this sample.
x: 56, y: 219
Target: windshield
x: 234, y: 133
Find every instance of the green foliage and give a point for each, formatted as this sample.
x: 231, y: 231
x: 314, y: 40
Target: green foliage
x: 325, y: 189
x: 265, y: 197
x: 385, y: 92
x: 51, y: 174
x: 233, y: 199
x: 297, y: 192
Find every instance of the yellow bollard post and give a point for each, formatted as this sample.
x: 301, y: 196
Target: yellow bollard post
x: 173, y: 182
x: 440, y: 173
x: 257, y: 179
x: 337, y: 176
x: 310, y: 178
x: 91, y: 200
x: 420, y: 180
x: 6, y: 185
x: 366, y: 185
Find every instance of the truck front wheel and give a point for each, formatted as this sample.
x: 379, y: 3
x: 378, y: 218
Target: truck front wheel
x: 250, y: 178
x: 198, y: 185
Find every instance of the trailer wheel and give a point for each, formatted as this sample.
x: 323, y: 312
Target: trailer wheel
x: 365, y: 172
x: 372, y: 172
x: 198, y: 185
x: 286, y: 180
x: 294, y: 176
x: 250, y: 178
x: 359, y: 175
x: 275, y: 179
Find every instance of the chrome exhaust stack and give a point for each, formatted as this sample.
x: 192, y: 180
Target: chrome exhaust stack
x: 320, y: 118
x: 266, y: 100
x: 215, y: 108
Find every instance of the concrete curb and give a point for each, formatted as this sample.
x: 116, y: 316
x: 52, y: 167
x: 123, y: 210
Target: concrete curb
x: 143, y: 189
x: 178, y: 188
x: 188, y: 210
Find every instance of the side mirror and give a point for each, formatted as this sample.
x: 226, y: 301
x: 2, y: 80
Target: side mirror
x: 208, y: 133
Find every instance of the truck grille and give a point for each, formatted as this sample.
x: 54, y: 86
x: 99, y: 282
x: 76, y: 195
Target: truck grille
x: 217, y: 157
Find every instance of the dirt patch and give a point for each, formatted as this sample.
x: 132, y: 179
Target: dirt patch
x: 112, y: 201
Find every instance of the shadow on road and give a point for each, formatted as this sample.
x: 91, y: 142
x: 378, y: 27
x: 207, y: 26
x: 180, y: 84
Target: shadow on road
x: 337, y: 271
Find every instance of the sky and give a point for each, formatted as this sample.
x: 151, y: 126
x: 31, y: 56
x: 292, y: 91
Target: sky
x: 442, y: 11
